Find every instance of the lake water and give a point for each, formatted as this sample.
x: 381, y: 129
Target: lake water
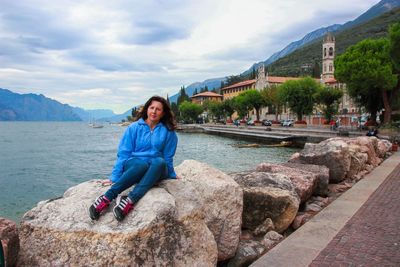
x: 40, y: 160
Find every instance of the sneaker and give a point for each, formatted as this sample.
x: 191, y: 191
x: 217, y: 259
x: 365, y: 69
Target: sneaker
x: 122, y: 208
x: 99, y: 205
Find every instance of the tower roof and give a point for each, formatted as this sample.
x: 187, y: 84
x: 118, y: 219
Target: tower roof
x: 329, y: 37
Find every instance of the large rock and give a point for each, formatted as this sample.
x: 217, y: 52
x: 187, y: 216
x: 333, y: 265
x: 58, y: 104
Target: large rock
x: 222, y: 201
x: 267, y: 195
x: 320, y: 171
x: 157, y: 233
x: 332, y: 153
x: 168, y: 227
x: 9, y: 240
x: 248, y: 252
x: 304, y: 182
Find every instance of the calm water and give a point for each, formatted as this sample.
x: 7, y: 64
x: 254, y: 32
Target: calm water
x: 40, y: 160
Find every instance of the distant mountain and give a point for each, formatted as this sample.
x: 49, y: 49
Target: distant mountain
x: 214, y: 83
x: 33, y: 107
x: 375, y: 11
x: 90, y: 114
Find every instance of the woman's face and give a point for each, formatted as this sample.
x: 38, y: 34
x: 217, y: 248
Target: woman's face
x: 155, y: 112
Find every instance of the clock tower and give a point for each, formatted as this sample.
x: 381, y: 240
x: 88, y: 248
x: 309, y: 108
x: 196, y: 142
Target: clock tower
x: 328, y: 56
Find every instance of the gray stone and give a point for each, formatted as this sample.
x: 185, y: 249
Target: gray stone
x: 168, y: 227
x: 248, y: 252
x: 304, y: 182
x: 320, y: 171
x: 267, y: 195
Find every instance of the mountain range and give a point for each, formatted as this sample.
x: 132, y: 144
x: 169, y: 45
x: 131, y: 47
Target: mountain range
x: 33, y: 107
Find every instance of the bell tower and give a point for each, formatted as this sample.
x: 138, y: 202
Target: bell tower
x: 328, y: 56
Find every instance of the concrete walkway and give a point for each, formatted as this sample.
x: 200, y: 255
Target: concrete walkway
x: 360, y: 228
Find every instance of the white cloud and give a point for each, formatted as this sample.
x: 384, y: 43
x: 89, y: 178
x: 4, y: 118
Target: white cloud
x: 107, y: 54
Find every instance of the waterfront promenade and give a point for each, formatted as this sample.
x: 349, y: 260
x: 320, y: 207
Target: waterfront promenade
x: 360, y: 228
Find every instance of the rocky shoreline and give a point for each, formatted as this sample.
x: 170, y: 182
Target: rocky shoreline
x: 207, y: 218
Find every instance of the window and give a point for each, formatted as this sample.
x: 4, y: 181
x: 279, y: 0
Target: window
x: 325, y: 52
x: 330, y: 67
x: 330, y: 51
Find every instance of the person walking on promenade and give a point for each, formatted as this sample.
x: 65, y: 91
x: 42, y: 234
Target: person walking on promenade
x: 145, y: 156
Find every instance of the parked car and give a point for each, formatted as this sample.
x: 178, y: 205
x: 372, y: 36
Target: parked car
x: 288, y: 123
x: 250, y: 122
x: 266, y: 123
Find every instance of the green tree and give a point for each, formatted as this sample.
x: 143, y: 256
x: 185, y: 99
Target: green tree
x: 394, y: 53
x: 272, y: 98
x: 175, y: 110
x: 228, y: 106
x: 182, y: 96
x: 190, y: 111
x: 241, y: 105
x: 299, y: 95
x: 329, y: 99
x: 368, y: 71
x: 253, y: 99
x: 216, y: 110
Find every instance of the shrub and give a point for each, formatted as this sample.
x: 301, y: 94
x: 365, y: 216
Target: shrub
x: 300, y: 122
x: 275, y: 122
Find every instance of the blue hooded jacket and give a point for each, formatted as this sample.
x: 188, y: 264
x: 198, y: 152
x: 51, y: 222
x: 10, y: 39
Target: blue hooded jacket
x: 140, y: 142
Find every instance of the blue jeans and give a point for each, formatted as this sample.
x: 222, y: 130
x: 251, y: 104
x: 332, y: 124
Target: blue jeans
x: 143, y: 172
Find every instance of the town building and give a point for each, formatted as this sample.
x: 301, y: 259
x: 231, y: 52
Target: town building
x: 347, y: 108
x: 206, y: 96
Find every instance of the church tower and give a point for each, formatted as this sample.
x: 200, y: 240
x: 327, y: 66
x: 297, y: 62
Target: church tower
x: 328, y: 56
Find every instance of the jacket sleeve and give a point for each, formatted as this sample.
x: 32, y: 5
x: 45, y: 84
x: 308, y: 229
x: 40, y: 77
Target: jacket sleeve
x: 125, y: 149
x: 169, y: 152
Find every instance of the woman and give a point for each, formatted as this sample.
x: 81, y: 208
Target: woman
x: 145, y: 156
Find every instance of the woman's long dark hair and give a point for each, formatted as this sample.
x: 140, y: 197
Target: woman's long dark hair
x: 168, y: 119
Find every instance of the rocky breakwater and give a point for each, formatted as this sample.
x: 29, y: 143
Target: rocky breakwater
x: 193, y: 221
x: 279, y: 198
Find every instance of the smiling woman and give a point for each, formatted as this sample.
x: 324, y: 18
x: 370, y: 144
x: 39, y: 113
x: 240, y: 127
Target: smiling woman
x: 145, y: 157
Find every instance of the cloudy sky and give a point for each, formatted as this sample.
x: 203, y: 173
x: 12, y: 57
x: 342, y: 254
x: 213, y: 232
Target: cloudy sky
x: 116, y: 54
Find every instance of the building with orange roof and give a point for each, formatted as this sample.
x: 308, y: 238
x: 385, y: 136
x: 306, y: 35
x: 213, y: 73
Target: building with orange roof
x: 206, y: 96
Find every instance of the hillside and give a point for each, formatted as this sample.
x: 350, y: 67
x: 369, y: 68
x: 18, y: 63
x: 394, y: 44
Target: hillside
x: 308, y: 56
x: 32, y: 107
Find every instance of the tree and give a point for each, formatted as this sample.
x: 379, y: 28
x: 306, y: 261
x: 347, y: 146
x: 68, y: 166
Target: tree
x: 253, y: 99
x: 175, y: 110
x: 367, y: 70
x: 272, y: 98
x: 228, y: 106
x: 216, y: 109
x: 241, y: 106
x: 195, y: 92
x: 182, y: 96
x: 190, y: 111
x: 329, y: 99
x: 394, y: 53
x: 299, y: 95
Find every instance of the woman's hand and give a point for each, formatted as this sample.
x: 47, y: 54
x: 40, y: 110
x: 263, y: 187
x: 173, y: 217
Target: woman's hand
x: 105, y: 182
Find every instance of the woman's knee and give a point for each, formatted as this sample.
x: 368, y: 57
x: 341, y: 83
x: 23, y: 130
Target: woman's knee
x: 137, y: 164
x: 159, y: 162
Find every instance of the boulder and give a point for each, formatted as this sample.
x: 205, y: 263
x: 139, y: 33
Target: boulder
x: 157, y: 232
x: 248, y: 252
x: 271, y: 239
x: 168, y: 227
x: 9, y: 240
x: 332, y: 153
x: 267, y: 195
x: 304, y: 182
x: 222, y: 200
x: 320, y: 171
